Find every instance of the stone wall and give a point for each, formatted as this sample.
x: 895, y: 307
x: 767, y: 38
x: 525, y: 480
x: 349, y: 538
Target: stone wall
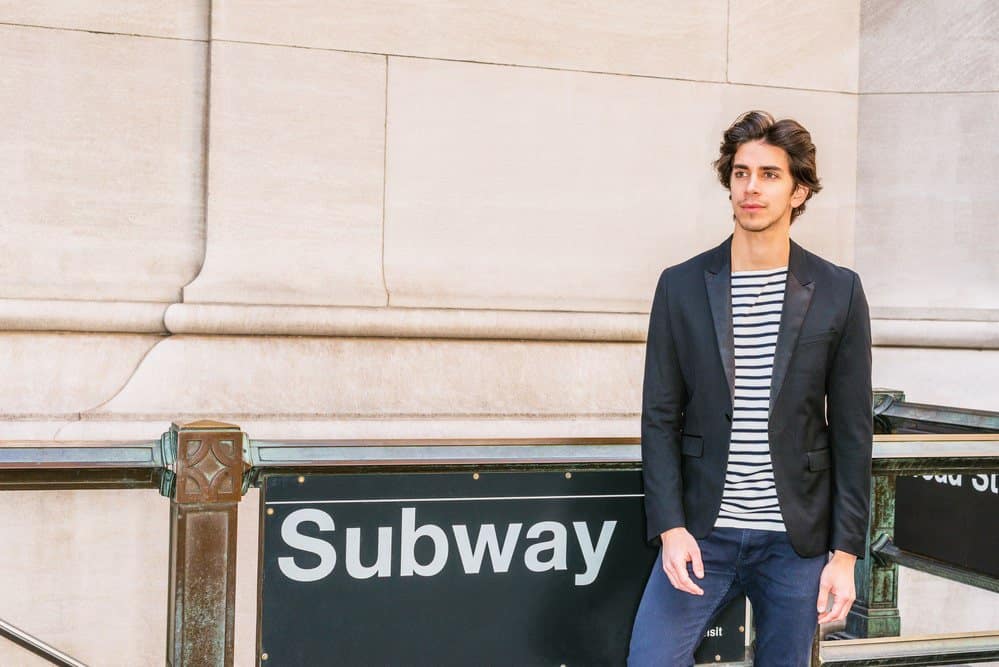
x: 394, y: 218
x: 927, y: 152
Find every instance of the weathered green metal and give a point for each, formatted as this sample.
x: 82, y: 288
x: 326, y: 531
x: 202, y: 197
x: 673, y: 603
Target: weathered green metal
x: 884, y: 551
x: 892, y: 414
x: 903, y: 449
x: 875, y: 611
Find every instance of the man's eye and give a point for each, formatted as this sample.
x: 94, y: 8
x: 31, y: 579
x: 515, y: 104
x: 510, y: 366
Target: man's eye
x: 771, y: 174
x: 738, y: 174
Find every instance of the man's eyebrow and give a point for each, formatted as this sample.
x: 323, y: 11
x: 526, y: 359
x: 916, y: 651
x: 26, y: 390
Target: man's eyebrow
x: 766, y: 167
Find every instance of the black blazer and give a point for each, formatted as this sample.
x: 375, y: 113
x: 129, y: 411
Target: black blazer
x: 821, y: 423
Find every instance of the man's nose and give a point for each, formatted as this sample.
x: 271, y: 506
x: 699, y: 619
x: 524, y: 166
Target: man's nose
x: 753, y: 184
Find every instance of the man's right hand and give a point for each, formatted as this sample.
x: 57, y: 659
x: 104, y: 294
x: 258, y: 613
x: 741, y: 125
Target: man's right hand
x: 680, y: 548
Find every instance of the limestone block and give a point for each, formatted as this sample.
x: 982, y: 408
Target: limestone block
x: 190, y: 376
x: 53, y: 374
x: 956, y: 607
x: 103, y: 177
x: 296, y: 167
x: 97, y: 566
x: 958, y: 378
x: 186, y: 19
x: 929, y: 46
x: 926, y: 200
x: 537, y: 189
x: 247, y: 546
x: 811, y: 44
x: 669, y: 38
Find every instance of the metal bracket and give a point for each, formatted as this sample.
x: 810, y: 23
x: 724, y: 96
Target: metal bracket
x: 168, y: 454
x: 878, y: 546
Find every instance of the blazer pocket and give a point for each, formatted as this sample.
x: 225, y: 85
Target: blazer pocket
x: 825, y: 335
x: 692, y: 445
x: 819, y: 459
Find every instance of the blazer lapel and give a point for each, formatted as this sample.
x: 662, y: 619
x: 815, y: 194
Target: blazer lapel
x: 717, y: 280
x: 797, y: 297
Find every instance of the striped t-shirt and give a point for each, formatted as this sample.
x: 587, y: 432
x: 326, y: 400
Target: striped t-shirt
x: 750, y: 497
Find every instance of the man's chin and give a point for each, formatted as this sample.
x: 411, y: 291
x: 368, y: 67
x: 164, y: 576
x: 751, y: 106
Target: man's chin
x: 754, y: 225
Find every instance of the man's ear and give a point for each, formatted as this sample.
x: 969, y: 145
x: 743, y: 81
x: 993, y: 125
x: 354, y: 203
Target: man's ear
x: 799, y: 195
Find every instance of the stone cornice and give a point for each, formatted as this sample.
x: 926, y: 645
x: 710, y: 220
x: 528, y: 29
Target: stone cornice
x: 974, y: 329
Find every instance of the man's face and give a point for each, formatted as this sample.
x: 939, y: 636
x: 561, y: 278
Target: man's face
x: 763, y: 192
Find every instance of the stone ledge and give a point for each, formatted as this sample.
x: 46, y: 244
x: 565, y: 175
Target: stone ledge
x: 223, y: 319
x: 82, y: 316
x: 918, y: 328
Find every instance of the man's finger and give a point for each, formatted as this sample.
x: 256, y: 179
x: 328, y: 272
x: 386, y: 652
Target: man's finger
x: 839, y: 610
x: 833, y: 611
x: 823, y: 602
x: 686, y: 583
x: 696, y: 563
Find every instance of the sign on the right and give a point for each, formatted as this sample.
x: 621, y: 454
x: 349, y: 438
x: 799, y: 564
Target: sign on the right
x: 952, y: 518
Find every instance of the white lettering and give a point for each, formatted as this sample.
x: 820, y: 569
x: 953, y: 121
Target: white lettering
x: 314, y: 545
x: 471, y: 559
x: 410, y: 535
x: 986, y: 483
x: 547, y: 552
x: 383, y: 563
x: 557, y: 545
x: 594, y: 557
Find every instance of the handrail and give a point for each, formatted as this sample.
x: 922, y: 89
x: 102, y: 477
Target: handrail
x: 132, y: 464
x: 37, y: 646
x: 81, y: 465
x: 885, y: 551
x: 909, y: 454
x: 30, y: 455
x: 945, y: 649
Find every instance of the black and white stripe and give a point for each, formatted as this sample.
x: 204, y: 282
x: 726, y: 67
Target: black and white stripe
x: 750, y: 497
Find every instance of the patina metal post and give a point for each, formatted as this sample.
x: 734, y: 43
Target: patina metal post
x: 204, y: 481
x: 875, y: 612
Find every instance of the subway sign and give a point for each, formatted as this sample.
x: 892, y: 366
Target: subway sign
x: 504, y: 568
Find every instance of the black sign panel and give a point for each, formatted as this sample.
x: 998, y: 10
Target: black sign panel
x: 501, y: 568
x: 951, y: 518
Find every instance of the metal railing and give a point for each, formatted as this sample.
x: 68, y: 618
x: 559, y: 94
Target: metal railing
x: 160, y: 463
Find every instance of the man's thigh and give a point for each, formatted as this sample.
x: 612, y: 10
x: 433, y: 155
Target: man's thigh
x: 670, y: 624
x: 783, y: 588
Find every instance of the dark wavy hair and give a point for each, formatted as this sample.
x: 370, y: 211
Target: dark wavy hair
x: 787, y: 134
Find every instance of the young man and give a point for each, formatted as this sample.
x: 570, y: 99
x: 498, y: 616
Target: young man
x: 757, y: 419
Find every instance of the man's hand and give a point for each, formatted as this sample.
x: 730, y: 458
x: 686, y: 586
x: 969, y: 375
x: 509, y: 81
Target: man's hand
x: 837, y: 578
x: 679, y: 548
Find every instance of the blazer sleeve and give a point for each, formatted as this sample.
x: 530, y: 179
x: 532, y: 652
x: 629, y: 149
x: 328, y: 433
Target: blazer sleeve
x: 850, y: 411
x: 664, y: 396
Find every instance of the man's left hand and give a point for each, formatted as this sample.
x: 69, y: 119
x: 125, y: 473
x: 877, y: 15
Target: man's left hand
x: 837, y: 579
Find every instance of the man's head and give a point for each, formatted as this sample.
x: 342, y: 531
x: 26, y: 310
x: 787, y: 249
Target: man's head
x: 768, y: 167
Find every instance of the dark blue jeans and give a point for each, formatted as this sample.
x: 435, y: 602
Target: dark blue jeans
x: 781, y: 585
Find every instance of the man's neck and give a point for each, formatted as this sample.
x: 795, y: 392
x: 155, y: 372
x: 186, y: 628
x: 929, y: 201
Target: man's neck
x: 755, y: 251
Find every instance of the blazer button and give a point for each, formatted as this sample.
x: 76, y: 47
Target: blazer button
x: 728, y: 416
